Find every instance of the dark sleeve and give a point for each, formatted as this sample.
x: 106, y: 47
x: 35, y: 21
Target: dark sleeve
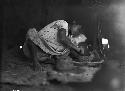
x: 63, y: 39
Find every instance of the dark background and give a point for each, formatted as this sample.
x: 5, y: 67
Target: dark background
x: 20, y: 15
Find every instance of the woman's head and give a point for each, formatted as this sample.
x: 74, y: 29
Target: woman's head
x: 74, y: 28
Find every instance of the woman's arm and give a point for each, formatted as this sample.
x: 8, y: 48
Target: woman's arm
x: 62, y: 38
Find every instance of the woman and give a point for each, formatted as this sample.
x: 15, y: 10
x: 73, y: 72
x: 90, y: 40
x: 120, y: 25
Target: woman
x: 52, y: 40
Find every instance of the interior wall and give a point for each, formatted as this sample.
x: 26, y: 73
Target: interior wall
x: 20, y: 15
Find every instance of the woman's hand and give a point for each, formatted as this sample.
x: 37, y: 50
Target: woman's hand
x: 82, y: 51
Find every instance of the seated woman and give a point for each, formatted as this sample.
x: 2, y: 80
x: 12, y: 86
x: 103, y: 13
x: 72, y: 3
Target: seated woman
x: 77, y: 39
x: 52, y: 40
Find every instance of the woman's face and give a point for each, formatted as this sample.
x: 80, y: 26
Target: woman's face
x: 75, y: 29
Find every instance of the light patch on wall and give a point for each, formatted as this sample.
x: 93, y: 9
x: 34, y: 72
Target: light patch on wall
x: 104, y: 41
x: 119, y: 23
x: 21, y: 47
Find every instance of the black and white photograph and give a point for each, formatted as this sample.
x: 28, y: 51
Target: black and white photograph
x: 63, y: 45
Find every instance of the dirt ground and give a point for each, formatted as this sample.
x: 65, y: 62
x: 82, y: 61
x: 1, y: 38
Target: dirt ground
x: 17, y: 75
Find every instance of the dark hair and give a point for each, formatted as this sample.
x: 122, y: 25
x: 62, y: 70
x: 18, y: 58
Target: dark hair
x: 70, y: 25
